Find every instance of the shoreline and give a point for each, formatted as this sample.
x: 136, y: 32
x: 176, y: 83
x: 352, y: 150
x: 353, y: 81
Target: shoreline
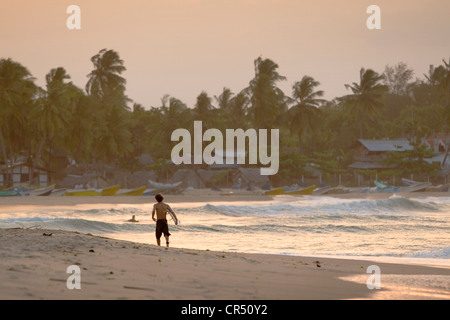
x: 200, y: 195
x: 34, y: 266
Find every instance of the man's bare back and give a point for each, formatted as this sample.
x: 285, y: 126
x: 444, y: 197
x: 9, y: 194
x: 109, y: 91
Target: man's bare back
x: 161, y: 209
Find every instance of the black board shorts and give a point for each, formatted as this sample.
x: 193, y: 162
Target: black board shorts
x: 162, y: 227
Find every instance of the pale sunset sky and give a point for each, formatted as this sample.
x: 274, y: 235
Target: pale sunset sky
x: 184, y: 47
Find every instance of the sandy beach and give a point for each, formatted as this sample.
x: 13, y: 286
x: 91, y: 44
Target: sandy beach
x: 34, y: 263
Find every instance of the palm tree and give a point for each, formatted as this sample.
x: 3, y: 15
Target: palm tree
x: 232, y: 109
x: 52, y: 113
x: 83, y: 124
x: 366, y: 97
x: 105, y: 79
x: 224, y: 99
x: 17, y: 89
x: 114, y: 141
x: 203, y: 110
x: 268, y: 102
x: 238, y: 110
x: 303, y: 116
x: 173, y: 114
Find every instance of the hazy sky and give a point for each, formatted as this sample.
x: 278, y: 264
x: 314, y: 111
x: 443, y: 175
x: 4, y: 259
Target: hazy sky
x: 182, y: 47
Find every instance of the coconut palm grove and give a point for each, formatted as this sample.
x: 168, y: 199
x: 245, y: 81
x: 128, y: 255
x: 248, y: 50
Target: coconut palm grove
x: 100, y: 125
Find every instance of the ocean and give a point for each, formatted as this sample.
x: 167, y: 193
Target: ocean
x: 395, y: 229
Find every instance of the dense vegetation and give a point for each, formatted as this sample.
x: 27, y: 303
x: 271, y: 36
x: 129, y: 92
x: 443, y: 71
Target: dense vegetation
x: 99, y: 124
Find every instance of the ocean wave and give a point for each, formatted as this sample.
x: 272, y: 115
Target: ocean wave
x: 391, y: 206
x: 435, y: 253
x: 79, y: 225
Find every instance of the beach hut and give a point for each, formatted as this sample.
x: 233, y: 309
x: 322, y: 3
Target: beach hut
x: 20, y: 173
x: 250, y: 177
x: 189, y: 178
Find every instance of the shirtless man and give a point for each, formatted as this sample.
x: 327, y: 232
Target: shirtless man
x: 161, y: 210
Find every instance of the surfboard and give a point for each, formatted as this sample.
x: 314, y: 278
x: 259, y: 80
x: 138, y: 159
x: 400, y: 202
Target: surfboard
x: 172, y: 216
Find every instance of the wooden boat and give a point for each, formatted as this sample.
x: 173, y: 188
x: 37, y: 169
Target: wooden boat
x: 382, y: 188
x: 335, y: 190
x: 45, y: 191
x: 338, y: 190
x: 109, y: 191
x: 274, y: 192
x: 307, y: 190
x: 77, y: 192
x: 408, y: 182
x: 440, y: 188
x: 58, y: 192
x: 417, y: 187
x: 159, y: 185
x: 380, y: 184
x: 151, y: 192
x: 322, y: 190
x: 135, y: 192
x: 10, y: 193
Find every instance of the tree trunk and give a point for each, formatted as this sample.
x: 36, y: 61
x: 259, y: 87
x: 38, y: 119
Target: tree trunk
x: 5, y: 156
x: 446, y: 155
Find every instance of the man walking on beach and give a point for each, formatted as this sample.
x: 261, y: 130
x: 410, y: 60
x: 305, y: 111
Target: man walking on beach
x: 161, y: 210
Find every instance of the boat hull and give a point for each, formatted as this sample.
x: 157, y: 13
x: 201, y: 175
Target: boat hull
x: 110, y: 191
x: 80, y: 193
x: 304, y: 191
x: 9, y: 193
x: 275, y: 192
x: 135, y: 192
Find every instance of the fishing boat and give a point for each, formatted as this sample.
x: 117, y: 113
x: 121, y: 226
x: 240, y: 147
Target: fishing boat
x: 382, y: 188
x: 44, y: 191
x: 340, y: 190
x: 134, y: 192
x: 417, y: 187
x: 159, y: 185
x: 380, y: 184
x: 322, y: 190
x: 439, y: 188
x: 109, y: 191
x: 408, y: 182
x: 77, y: 192
x: 307, y: 190
x: 274, y: 192
x: 58, y: 192
x: 414, y: 186
x: 10, y: 193
x: 151, y: 192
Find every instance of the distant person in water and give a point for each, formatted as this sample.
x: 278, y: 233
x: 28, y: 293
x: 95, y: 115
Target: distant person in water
x: 161, y: 209
x: 133, y: 219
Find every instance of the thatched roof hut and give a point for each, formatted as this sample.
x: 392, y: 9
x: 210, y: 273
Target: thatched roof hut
x: 250, y: 176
